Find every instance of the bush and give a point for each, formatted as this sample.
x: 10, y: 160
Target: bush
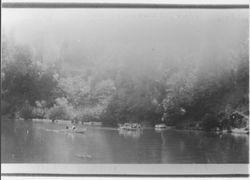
x: 40, y: 110
x: 89, y: 113
x: 237, y: 120
x: 61, y: 110
x: 5, y: 107
x: 39, y: 113
x: 58, y: 112
x: 209, y: 122
x: 26, y: 111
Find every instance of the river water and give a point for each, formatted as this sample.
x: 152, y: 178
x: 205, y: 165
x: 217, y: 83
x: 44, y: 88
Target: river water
x: 44, y: 142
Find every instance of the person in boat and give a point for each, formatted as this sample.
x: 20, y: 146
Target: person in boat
x: 73, y: 128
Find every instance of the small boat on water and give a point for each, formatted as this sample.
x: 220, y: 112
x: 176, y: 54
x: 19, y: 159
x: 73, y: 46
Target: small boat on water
x: 79, y: 131
x: 161, y: 126
x: 130, y: 126
x: 75, y: 130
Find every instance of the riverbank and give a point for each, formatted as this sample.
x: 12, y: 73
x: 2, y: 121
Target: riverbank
x: 232, y: 131
x: 244, y: 130
x: 183, y: 128
x: 53, y: 121
x: 235, y: 122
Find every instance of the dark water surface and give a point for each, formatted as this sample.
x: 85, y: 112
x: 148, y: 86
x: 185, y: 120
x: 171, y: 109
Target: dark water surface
x: 43, y: 142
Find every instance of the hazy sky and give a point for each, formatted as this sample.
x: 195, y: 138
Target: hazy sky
x: 131, y: 34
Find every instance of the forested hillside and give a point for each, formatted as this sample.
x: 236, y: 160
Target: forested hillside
x: 185, y: 68
x: 184, y: 92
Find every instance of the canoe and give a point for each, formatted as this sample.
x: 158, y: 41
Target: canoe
x: 80, y: 131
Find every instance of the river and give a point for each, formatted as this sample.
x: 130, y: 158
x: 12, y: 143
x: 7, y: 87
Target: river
x: 44, y: 142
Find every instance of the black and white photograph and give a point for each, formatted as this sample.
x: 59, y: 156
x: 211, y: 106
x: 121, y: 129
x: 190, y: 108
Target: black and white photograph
x: 125, y: 87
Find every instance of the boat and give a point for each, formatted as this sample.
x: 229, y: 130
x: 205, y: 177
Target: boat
x: 161, y: 126
x: 76, y: 130
x: 130, y: 126
x: 80, y: 131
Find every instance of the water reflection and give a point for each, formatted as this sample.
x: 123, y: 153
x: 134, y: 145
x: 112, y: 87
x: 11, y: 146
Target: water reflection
x: 130, y: 133
x: 27, y: 142
x: 201, y: 147
x: 159, y: 130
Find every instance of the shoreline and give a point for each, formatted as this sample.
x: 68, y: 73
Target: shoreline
x: 233, y: 131
x: 238, y: 131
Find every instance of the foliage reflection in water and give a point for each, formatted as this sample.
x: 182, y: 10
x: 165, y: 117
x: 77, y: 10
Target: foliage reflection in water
x: 38, y: 142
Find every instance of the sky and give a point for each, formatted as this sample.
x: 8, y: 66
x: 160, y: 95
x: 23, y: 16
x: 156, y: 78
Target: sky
x: 142, y: 35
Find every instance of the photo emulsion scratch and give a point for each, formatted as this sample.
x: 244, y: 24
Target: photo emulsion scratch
x: 109, y: 84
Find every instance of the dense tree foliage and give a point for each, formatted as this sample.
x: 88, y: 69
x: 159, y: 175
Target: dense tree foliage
x: 24, y: 81
x: 192, y: 93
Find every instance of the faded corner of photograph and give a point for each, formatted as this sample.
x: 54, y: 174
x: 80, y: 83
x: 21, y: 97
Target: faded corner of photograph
x: 125, y: 86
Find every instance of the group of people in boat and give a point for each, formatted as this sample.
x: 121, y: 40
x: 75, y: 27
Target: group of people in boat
x: 72, y: 128
x: 130, y: 126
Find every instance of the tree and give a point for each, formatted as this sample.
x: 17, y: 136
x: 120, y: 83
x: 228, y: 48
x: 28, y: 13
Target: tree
x: 23, y: 80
